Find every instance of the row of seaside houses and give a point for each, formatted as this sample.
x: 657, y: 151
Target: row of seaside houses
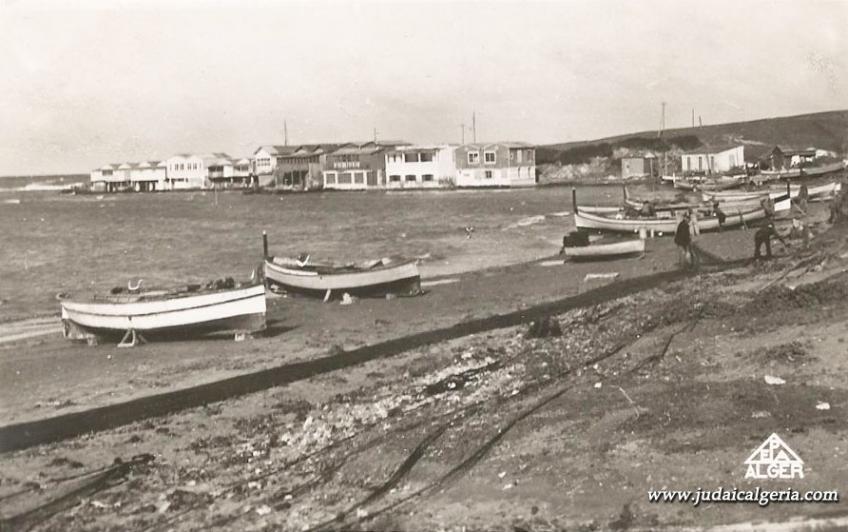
x: 373, y: 165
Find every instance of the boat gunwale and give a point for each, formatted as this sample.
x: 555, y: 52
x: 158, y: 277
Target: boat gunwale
x: 85, y: 307
x: 608, y: 249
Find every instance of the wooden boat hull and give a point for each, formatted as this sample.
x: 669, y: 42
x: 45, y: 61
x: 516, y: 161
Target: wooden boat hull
x: 600, y: 210
x: 771, y: 175
x: 606, y: 251
x: 817, y: 192
x: 399, y: 278
x: 585, y: 220
x: 232, y: 310
x: 686, y: 185
x: 658, y: 207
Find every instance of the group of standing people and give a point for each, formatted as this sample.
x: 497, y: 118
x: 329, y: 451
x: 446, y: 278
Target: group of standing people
x: 688, y: 229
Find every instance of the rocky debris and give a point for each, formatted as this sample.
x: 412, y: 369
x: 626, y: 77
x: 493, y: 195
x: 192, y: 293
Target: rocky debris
x: 61, y: 461
x: 458, y: 381
x: 793, y: 352
x: 778, y: 298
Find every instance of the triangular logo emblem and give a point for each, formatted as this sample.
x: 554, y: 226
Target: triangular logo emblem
x: 774, y: 459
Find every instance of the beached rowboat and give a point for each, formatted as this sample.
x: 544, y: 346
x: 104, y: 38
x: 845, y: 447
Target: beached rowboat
x: 586, y: 220
x: 606, y: 251
x: 397, y: 276
x: 239, y: 310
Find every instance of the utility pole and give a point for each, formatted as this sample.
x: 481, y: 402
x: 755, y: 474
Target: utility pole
x: 462, y: 128
x: 474, y: 127
x: 375, y: 134
x: 700, y: 122
x: 659, y: 135
x: 285, y: 133
x: 693, y: 117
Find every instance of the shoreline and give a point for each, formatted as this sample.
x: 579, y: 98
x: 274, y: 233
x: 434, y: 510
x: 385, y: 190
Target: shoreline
x: 301, y: 336
x: 302, y: 329
x: 17, y: 436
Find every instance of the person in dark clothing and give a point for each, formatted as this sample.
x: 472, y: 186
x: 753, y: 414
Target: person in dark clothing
x: 719, y: 214
x: 763, y: 237
x: 683, y: 240
x: 574, y: 239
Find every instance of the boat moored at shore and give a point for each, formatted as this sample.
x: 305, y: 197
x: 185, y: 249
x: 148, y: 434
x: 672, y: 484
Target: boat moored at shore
x: 390, y: 275
x: 192, y: 310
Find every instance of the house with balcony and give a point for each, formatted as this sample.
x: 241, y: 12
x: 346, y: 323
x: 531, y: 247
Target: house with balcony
x: 224, y: 171
x: 421, y: 167
x: 107, y: 178
x: 497, y: 164
x: 192, y: 171
x: 301, y: 169
x: 148, y: 176
x: 242, y: 171
x: 356, y: 166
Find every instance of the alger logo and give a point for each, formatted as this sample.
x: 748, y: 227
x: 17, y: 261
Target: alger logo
x: 774, y: 459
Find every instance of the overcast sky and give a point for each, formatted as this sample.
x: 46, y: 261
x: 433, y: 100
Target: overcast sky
x: 99, y: 83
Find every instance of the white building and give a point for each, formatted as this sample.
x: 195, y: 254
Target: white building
x: 265, y: 161
x: 107, y: 178
x: 227, y: 172
x: 411, y: 167
x: 148, y: 176
x: 710, y: 160
x: 186, y: 170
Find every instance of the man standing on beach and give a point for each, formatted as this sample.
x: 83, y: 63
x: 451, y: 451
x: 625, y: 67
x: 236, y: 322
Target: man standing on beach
x: 693, y: 223
x: 763, y: 236
x: 683, y: 239
x: 718, y: 213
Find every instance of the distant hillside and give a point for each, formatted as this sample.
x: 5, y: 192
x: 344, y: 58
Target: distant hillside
x: 828, y: 130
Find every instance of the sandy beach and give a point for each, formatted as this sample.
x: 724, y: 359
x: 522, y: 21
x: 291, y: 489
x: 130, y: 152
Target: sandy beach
x: 543, y: 433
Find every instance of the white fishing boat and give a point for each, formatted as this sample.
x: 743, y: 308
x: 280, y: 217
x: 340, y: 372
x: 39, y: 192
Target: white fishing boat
x: 606, y: 251
x: 812, y: 171
x: 389, y: 275
x: 240, y: 309
x: 601, y: 210
x: 723, y: 183
x: 657, y: 225
x: 813, y: 193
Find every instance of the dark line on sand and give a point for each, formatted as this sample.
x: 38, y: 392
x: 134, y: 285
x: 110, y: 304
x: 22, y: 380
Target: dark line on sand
x: 47, y: 430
